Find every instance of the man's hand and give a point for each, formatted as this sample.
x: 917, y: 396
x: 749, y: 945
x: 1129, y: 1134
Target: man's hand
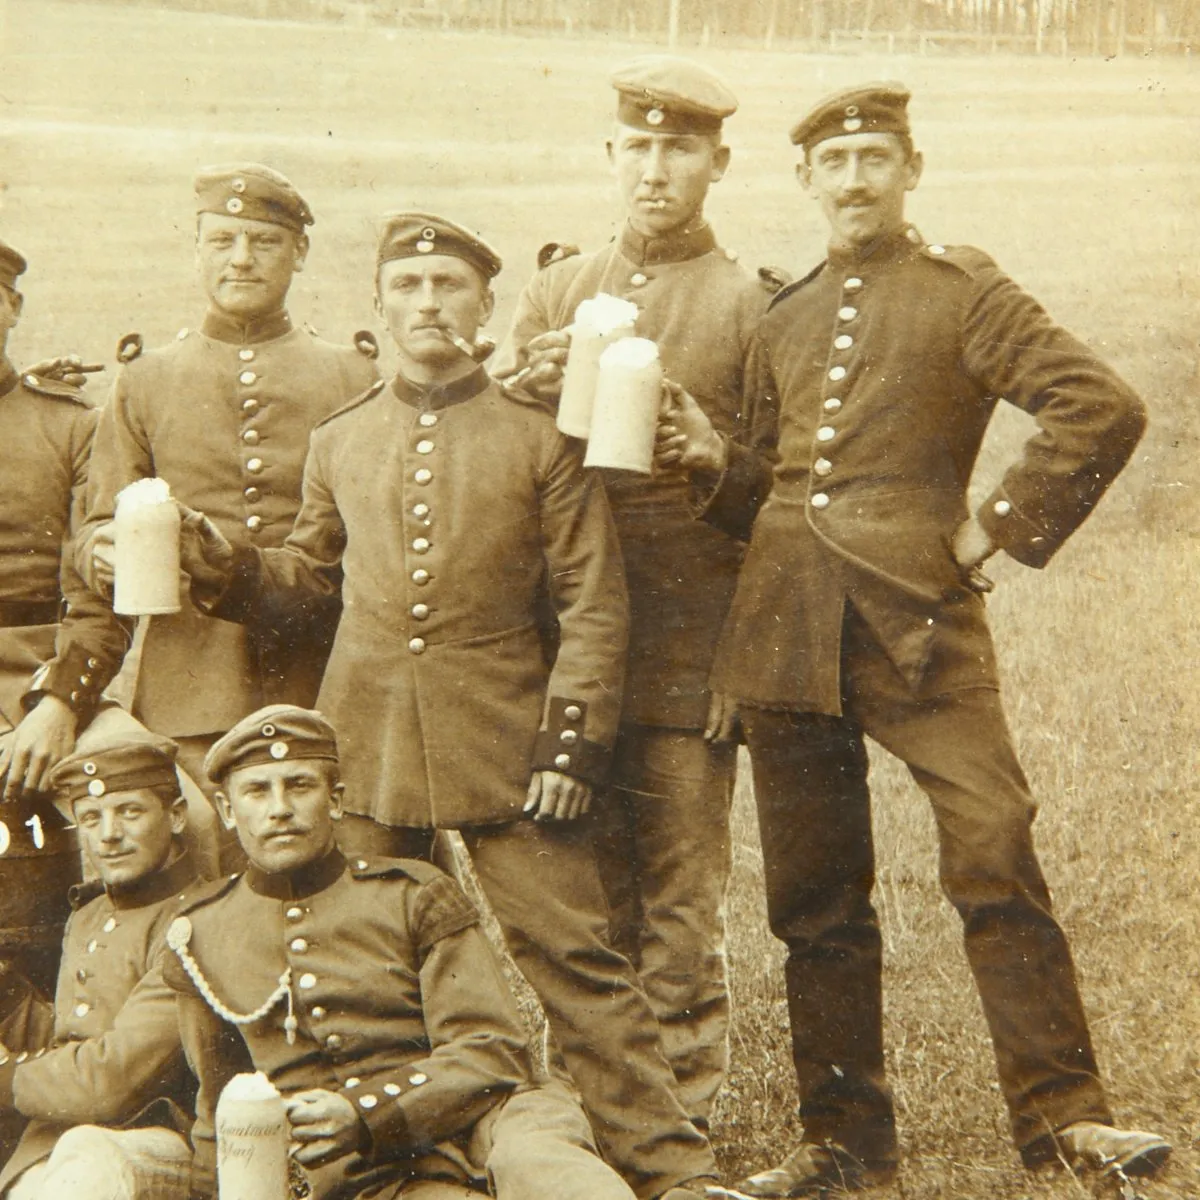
x: 722, y: 722
x: 43, y: 739
x: 972, y: 547
x: 68, y: 368
x: 685, y: 439
x: 205, y: 553
x: 325, y: 1126
x: 546, y: 359
x: 556, y: 797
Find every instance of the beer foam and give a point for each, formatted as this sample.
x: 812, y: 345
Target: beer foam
x: 144, y: 493
x: 632, y: 353
x: 604, y: 313
x: 250, y: 1087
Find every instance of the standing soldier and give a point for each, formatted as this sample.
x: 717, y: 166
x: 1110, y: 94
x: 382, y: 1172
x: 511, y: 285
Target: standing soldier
x: 662, y: 826
x: 59, y: 645
x: 223, y: 414
x: 443, y: 509
x: 859, y: 613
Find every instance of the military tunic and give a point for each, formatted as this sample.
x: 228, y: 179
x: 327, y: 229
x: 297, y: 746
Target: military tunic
x: 223, y: 414
x: 108, y: 1051
x: 401, y: 1005
x: 447, y: 512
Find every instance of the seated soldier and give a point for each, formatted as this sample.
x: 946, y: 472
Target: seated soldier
x: 366, y: 992
x: 100, y: 1074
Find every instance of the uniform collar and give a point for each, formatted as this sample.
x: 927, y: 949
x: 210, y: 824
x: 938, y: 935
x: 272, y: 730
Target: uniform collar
x: 305, y: 881
x: 151, y: 889
x: 224, y: 328
x: 677, y: 246
x: 884, y: 250
x: 8, y: 377
x: 439, y: 395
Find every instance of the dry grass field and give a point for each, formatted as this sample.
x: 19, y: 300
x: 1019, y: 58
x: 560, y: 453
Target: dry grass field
x: 1080, y: 177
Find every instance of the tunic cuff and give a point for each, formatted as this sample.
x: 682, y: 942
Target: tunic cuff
x: 1016, y: 534
x: 236, y: 601
x: 75, y: 678
x: 561, y: 746
x: 731, y: 501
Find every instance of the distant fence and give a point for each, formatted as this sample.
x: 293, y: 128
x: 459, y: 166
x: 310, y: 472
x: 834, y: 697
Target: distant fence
x: 1054, y: 27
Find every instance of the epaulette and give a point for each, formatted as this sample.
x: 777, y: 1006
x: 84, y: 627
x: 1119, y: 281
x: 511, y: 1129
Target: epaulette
x: 79, y: 894
x: 371, y: 392
x: 129, y: 347
x: 773, y: 279
x: 205, y: 891
x: 367, y: 344
x: 56, y: 388
x: 378, y: 866
x: 553, y: 252
x: 968, y: 259
x: 795, y: 285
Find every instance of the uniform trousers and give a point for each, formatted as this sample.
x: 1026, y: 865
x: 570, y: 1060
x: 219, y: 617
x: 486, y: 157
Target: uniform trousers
x: 661, y: 833
x: 814, y: 812
x: 93, y: 1163
x: 544, y: 888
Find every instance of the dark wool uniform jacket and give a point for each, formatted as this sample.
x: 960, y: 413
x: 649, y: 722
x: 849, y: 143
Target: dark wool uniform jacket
x: 446, y: 515
x: 107, y: 1052
x: 46, y: 438
x: 223, y: 414
x: 879, y: 373
x: 701, y: 308
x: 400, y: 1003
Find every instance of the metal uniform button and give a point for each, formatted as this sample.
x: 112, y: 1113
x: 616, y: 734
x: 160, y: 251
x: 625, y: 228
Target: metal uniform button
x: 254, y: 523
x: 637, y: 279
x: 832, y: 404
x: 823, y: 467
x: 353, y: 1082
x: 294, y: 913
x: 246, y: 355
x: 420, y: 577
x: 937, y: 249
x: 847, y: 313
x: 420, y: 510
x: 1002, y: 507
x: 109, y: 925
x: 417, y: 645
x: 562, y: 761
x: 82, y: 1010
x: 843, y: 341
x: 308, y: 980
x: 852, y: 284
x: 91, y: 946
x: 333, y: 1041
x: 820, y: 500
x: 421, y: 545
x: 254, y: 465
x: 392, y: 1089
x: 252, y: 494
x: 299, y: 945
x: 81, y: 975
x: 423, y: 475
x: 429, y: 420
x: 424, y: 446
x: 368, y: 1101
x: 251, y: 437
x: 572, y: 712
x: 837, y: 373
x: 568, y: 737
x: 318, y: 1013
x: 250, y: 406
x: 74, y: 697
x: 417, y: 1078
x: 826, y: 433
x: 247, y: 377
x: 420, y: 611
x: 93, y: 663
x: 86, y: 680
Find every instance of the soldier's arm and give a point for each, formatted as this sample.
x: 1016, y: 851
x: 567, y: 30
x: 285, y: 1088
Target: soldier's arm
x: 586, y: 578
x: 105, y: 1079
x: 478, y: 1052
x: 1089, y: 419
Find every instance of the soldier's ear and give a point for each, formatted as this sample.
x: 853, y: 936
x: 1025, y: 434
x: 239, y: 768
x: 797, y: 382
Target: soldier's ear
x: 177, y: 814
x: 487, y: 306
x: 300, y: 252
x: 226, y: 810
x: 915, y: 165
x: 337, y: 795
x: 804, y: 173
x: 721, y: 156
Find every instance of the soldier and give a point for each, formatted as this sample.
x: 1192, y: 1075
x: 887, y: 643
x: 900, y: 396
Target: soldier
x: 223, y: 414
x: 445, y: 508
x: 367, y: 993
x: 59, y: 646
x: 662, y: 827
x: 101, y: 1073
x: 859, y: 613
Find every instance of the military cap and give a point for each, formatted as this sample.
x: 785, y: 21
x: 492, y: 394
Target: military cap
x: 272, y: 734
x: 252, y: 191
x: 867, y: 108
x: 119, y: 763
x: 409, y: 234
x: 665, y: 94
x: 12, y: 264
